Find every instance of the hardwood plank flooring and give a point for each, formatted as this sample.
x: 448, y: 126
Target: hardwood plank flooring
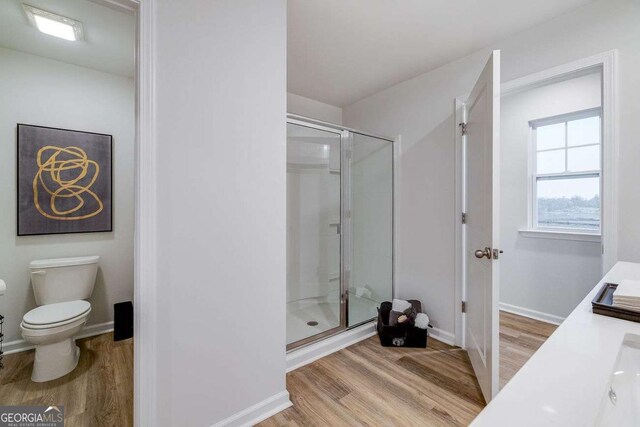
x: 520, y: 337
x: 367, y: 384
x: 99, y: 392
x: 364, y: 384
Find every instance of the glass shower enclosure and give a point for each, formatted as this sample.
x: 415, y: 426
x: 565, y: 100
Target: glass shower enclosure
x: 339, y: 228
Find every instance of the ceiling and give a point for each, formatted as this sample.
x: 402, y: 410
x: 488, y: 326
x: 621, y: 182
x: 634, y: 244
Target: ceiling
x: 340, y: 51
x: 109, y: 34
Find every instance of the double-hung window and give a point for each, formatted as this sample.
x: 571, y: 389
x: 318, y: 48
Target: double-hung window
x: 566, y: 172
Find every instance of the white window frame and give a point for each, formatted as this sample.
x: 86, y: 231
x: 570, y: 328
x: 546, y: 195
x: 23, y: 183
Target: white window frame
x: 534, y: 176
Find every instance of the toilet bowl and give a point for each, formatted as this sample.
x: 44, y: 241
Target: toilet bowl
x: 52, y: 331
x: 60, y: 287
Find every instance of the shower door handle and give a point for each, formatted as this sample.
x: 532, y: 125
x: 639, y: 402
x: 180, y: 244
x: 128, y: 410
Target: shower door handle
x: 344, y: 296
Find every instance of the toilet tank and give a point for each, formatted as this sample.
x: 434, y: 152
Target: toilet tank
x: 63, y: 279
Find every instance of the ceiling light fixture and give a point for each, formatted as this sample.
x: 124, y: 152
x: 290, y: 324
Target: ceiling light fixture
x: 54, y: 25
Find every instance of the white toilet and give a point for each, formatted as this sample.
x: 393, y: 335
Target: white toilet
x: 60, y: 287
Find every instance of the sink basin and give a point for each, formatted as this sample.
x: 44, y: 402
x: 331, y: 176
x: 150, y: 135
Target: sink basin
x: 621, y: 405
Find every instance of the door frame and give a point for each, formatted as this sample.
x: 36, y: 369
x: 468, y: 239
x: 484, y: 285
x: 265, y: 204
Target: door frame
x: 608, y: 63
x: 147, y: 330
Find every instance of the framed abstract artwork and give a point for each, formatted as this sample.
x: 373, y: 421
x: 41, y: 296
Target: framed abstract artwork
x: 64, y: 181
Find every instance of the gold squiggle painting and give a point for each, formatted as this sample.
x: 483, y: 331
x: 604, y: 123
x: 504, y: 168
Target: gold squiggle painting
x: 70, y: 175
x: 65, y: 180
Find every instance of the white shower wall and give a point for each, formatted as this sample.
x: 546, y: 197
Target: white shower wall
x: 313, y: 216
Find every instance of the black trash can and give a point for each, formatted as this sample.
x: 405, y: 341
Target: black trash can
x: 122, y: 320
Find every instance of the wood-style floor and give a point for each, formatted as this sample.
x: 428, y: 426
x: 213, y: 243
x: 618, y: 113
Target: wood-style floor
x: 520, y: 337
x: 99, y: 392
x: 366, y: 384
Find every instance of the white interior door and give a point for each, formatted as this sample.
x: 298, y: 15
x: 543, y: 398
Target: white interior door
x: 481, y: 142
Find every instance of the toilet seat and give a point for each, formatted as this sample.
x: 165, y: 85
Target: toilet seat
x: 54, y: 315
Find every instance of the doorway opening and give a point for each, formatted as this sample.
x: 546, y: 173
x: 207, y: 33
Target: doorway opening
x: 550, y: 230
x: 69, y: 103
x: 555, y: 236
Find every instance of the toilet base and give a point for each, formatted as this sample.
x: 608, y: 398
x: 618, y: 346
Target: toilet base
x: 55, y: 360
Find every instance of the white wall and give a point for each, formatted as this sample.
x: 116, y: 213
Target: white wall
x: 39, y: 91
x: 421, y: 110
x: 308, y: 107
x: 221, y: 139
x: 546, y: 275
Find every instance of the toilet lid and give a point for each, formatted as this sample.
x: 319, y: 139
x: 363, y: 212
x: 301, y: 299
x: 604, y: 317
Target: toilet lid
x: 56, y: 313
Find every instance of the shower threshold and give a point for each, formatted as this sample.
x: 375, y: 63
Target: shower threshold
x: 315, y: 319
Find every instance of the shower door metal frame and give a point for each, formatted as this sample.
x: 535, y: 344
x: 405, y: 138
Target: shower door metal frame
x: 346, y: 155
x: 352, y: 133
x: 343, y: 290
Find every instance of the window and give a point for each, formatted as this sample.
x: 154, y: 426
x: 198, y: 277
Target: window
x: 566, y: 172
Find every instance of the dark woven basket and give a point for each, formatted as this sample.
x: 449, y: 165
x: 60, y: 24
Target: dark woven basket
x: 400, y: 335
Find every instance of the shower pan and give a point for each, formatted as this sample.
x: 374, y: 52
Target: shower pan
x: 339, y: 228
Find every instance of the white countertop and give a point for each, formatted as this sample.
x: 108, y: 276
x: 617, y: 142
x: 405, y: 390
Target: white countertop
x: 564, y: 382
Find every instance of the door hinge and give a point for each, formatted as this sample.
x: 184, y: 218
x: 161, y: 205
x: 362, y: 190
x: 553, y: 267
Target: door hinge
x: 464, y: 217
x: 464, y: 306
x: 463, y: 128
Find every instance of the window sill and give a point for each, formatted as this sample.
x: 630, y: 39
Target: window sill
x: 561, y: 235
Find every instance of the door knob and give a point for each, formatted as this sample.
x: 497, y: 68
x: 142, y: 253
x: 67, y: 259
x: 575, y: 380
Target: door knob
x: 483, y: 253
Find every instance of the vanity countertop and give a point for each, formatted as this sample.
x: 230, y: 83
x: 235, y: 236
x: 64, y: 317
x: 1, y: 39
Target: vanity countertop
x: 564, y: 382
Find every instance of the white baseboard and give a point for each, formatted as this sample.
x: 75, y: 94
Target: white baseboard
x: 315, y: 351
x: 443, y: 336
x: 88, y: 331
x: 532, y: 314
x: 258, y: 412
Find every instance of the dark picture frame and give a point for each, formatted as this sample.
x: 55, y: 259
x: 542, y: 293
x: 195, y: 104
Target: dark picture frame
x: 64, y: 181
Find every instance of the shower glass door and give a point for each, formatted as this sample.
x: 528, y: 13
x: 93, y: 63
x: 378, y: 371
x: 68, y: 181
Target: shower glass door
x: 314, y: 285
x: 371, y: 225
